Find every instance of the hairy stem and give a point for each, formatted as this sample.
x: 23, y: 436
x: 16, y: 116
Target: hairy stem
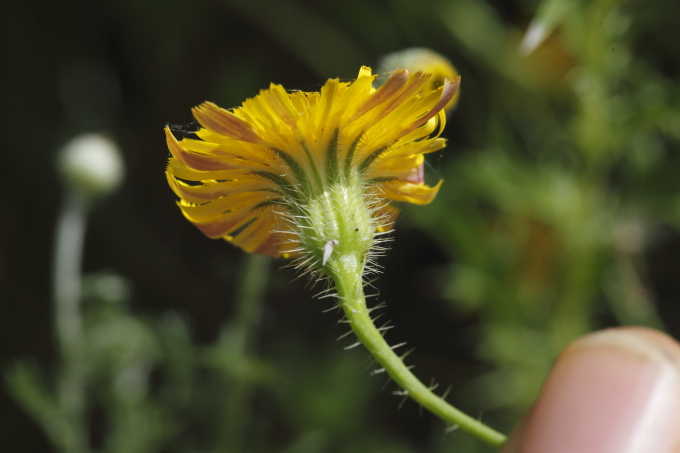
x: 346, y: 274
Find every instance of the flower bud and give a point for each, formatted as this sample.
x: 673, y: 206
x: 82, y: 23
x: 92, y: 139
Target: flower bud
x: 91, y: 164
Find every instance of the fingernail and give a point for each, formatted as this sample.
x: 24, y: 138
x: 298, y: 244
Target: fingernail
x: 615, y: 391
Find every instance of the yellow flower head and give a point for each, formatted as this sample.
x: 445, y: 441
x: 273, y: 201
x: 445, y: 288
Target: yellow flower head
x: 293, y: 172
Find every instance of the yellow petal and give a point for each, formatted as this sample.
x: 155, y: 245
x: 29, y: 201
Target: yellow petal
x: 223, y: 122
x: 223, y: 225
x: 411, y: 193
x: 365, y: 71
x: 446, y: 93
x: 280, y: 103
x: 208, y: 212
x: 397, y: 168
x: 355, y: 95
x: 415, y: 83
x: 194, y: 160
x: 421, y: 147
x: 211, y: 190
x: 388, y: 89
x: 258, y: 237
x: 178, y: 169
x: 323, y: 109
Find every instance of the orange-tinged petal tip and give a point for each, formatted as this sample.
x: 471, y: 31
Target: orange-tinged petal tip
x: 223, y: 122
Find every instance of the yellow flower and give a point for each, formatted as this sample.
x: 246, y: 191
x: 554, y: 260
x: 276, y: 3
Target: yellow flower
x: 262, y: 175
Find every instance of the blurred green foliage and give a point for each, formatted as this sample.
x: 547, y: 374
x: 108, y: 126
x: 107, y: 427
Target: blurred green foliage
x: 559, y: 215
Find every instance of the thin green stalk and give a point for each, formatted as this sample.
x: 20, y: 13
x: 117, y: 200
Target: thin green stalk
x: 347, y: 277
x: 69, y: 238
x: 249, y: 297
x: 628, y: 295
x: 246, y: 325
x: 70, y: 433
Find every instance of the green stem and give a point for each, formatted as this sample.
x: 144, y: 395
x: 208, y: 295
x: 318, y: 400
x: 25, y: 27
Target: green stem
x: 347, y: 275
x: 250, y: 295
x: 70, y: 234
x: 69, y: 433
x: 249, y: 300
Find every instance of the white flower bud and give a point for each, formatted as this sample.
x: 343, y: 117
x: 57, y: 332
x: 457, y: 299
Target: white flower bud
x: 91, y: 164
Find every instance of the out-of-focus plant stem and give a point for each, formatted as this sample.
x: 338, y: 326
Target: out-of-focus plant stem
x: 246, y: 326
x: 70, y: 432
x: 628, y: 295
x: 255, y: 276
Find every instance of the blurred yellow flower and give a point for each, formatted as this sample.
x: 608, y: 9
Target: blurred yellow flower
x: 255, y: 169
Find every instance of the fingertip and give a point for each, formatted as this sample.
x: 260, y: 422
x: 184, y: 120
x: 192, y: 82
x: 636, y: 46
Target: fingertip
x: 611, y: 391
